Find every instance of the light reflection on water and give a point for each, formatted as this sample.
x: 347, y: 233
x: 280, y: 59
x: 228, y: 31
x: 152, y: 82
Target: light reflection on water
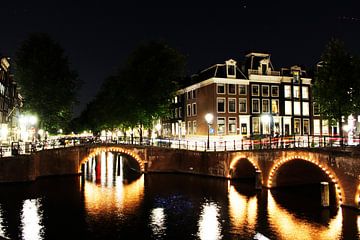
x: 110, y: 205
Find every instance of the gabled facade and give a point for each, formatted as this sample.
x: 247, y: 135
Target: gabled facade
x: 248, y: 100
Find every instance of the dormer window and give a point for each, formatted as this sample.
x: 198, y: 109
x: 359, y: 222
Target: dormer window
x: 264, y: 69
x: 230, y: 68
x: 296, y: 76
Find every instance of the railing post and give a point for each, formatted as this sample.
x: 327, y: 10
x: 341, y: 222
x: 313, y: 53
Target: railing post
x: 195, y: 146
x: 225, y: 145
x: 234, y: 145
x: 324, y: 143
x: 187, y: 145
x: 214, y: 146
x: 242, y: 144
x: 179, y: 143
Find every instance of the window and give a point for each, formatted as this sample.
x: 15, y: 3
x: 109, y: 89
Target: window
x: 317, y: 127
x: 232, y: 125
x: 306, y: 127
x: 296, y: 92
x: 297, y: 126
x: 232, y: 105
x: 221, y: 105
x: 325, y: 127
x: 274, y: 91
x: 297, y: 110
x: 193, y: 93
x: 230, y: 70
x: 305, y: 92
x: 255, y: 90
x: 256, y: 106
x: 305, y: 109
x: 188, y: 95
x: 265, y: 91
x: 316, y: 109
x: 180, y: 112
x: 194, y: 110
x: 288, y: 108
x: 220, y: 88
x: 275, y: 106
x: 189, y: 127
x: 287, y: 91
x: 176, y: 113
x: 242, y: 105
x: 243, y: 128
x: 231, y: 89
x: 242, y: 89
x: 221, y: 125
x: 188, y: 110
x: 265, y: 106
x: 194, y: 127
x: 256, y: 125
x: 175, y: 99
x: 296, y: 75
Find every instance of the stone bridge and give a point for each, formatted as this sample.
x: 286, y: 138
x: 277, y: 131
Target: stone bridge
x: 340, y: 167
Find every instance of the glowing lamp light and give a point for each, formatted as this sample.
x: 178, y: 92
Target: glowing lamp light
x: 209, y: 118
x: 265, y: 119
x: 346, y: 128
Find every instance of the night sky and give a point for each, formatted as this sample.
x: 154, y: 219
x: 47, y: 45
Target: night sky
x: 98, y: 35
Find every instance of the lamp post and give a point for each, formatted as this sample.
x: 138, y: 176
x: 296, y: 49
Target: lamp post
x: 208, y: 118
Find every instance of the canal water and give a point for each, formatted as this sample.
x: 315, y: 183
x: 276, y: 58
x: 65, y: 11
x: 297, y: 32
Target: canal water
x: 111, y: 203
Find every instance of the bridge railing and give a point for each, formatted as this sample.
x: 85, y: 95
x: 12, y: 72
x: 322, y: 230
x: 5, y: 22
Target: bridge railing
x: 200, y: 144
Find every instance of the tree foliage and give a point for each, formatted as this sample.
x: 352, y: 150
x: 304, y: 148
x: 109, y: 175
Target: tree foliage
x: 46, y: 81
x: 140, y: 91
x: 337, y: 82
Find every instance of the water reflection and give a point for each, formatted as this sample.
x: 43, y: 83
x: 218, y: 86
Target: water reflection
x: 2, y: 232
x: 31, y: 220
x: 242, y: 210
x: 157, y: 223
x: 209, y: 224
x: 289, y: 226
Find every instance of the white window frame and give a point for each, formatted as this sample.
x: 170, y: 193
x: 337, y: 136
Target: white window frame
x: 245, y: 105
x: 217, y: 125
x: 268, y: 105
x: 252, y: 105
x: 303, y: 126
x: 299, y: 119
x: 194, y: 127
x: 217, y: 105
x: 305, y: 89
x: 296, y: 92
x: 287, y: 89
x: 194, y: 109
x: 252, y: 125
x: 306, y: 105
x: 297, y: 108
x: 229, y: 89
x: 245, y: 87
x: 262, y: 90
x: 188, y: 110
x: 217, y: 88
x: 252, y: 88
x: 228, y: 125
x: 275, y: 95
x: 278, y: 106
x: 229, y: 105
x: 289, y: 103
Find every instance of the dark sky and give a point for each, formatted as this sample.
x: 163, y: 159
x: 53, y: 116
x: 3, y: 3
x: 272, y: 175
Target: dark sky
x: 98, y: 35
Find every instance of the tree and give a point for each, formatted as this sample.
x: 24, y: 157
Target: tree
x: 337, y: 83
x: 141, y: 90
x: 46, y: 81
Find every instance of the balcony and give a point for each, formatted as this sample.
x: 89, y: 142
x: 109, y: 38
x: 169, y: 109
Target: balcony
x: 268, y: 73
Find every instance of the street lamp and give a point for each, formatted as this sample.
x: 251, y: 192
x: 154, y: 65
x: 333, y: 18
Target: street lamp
x: 209, y: 118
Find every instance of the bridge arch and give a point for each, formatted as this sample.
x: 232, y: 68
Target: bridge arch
x: 98, y: 150
x: 245, y: 163
x: 323, y: 168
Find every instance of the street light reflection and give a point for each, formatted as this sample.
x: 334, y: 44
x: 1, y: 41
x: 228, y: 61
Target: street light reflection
x: 2, y: 232
x: 209, y: 225
x: 157, y: 223
x: 288, y: 226
x: 31, y: 219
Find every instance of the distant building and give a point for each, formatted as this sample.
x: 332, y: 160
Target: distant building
x: 10, y: 102
x: 250, y: 99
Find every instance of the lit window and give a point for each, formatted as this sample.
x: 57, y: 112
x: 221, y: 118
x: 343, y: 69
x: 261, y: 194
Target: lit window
x: 265, y: 106
x: 232, y: 125
x: 175, y: 99
x: 275, y: 106
x: 306, y: 126
x: 297, y: 110
x: 221, y: 125
x: 221, y: 105
x: 194, y: 110
x: 305, y: 92
x: 256, y: 125
x: 297, y: 126
x: 232, y: 89
x: 296, y: 75
x: 325, y: 127
x: 194, y: 127
x: 232, y: 105
x: 265, y: 91
x: 242, y: 105
x: 243, y: 128
x: 317, y: 127
x: 242, y: 89
x: 274, y: 91
x: 287, y: 91
x: 288, y: 108
x: 296, y: 92
x: 305, y: 106
x: 255, y: 90
x: 220, y: 88
x: 255, y: 105
x: 188, y: 110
